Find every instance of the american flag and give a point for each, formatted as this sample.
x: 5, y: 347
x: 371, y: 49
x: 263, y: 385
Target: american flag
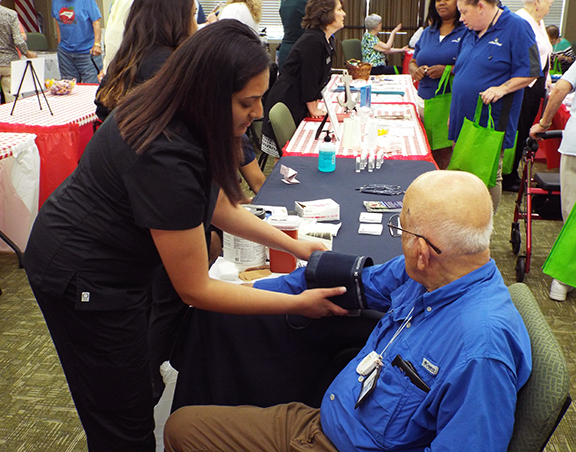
x: 27, y: 14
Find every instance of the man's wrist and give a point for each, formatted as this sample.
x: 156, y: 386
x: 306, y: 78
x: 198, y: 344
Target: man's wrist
x: 97, y: 44
x: 543, y: 125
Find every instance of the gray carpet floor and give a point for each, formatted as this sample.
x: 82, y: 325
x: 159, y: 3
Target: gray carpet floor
x: 37, y: 413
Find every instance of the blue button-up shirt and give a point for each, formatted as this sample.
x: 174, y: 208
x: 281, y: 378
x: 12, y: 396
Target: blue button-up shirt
x: 467, y: 342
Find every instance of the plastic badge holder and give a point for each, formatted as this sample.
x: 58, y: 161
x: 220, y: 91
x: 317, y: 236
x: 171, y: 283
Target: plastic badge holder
x: 333, y: 269
x: 281, y: 261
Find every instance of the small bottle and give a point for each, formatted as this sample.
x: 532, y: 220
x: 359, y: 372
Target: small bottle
x: 327, y: 155
x: 358, y: 164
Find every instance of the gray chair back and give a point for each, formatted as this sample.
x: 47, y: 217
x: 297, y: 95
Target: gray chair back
x: 282, y: 124
x: 352, y: 49
x: 544, y: 398
x: 36, y: 42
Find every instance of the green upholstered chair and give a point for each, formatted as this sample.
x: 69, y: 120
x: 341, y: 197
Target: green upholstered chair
x: 352, y: 49
x: 544, y: 398
x: 36, y: 41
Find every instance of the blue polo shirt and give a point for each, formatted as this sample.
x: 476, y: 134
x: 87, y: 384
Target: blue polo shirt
x: 467, y: 342
x: 75, y: 18
x: 431, y: 51
x: 508, y: 49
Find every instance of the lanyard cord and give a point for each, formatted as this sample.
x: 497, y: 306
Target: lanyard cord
x: 398, y: 331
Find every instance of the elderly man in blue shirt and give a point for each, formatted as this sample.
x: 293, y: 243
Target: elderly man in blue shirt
x: 441, y: 370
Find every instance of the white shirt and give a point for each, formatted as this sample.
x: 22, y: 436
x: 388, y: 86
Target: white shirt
x: 568, y: 145
x: 239, y: 11
x: 115, y: 29
x: 542, y: 39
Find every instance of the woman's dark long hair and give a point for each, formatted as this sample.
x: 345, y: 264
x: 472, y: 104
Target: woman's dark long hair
x: 195, y: 87
x: 435, y: 19
x: 150, y: 23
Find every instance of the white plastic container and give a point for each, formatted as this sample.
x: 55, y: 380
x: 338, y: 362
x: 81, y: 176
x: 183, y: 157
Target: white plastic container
x: 245, y: 253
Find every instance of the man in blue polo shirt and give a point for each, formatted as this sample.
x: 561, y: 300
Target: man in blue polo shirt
x: 79, y: 34
x: 441, y: 370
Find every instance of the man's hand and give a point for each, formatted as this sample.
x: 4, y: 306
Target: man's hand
x: 96, y: 50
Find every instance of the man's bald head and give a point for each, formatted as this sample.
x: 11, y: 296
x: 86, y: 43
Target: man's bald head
x: 452, y: 208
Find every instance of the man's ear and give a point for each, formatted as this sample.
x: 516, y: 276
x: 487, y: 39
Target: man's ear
x: 423, y: 257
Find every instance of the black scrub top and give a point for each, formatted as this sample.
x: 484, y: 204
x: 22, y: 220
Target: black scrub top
x: 305, y: 73
x: 94, y: 230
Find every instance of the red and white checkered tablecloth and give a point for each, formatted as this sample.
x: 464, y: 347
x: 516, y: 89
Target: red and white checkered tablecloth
x: 77, y: 107
x: 405, y: 139
x: 11, y: 142
x: 398, y: 83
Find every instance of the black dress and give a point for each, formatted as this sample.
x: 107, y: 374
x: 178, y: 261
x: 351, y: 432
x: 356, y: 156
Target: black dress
x: 304, y: 75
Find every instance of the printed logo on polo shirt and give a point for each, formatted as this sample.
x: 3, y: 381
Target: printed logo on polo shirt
x: 496, y: 43
x: 67, y: 15
x: 457, y: 39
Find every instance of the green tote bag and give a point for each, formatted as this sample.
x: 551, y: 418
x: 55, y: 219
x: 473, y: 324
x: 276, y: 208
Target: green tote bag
x: 478, y: 148
x: 436, y: 113
x: 561, y: 262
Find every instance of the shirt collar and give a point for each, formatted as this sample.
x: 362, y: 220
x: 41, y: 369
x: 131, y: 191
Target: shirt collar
x: 449, y: 293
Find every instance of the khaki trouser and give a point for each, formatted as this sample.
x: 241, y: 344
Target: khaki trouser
x: 567, y: 183
x: 290, y: 427
x: 5, y: 72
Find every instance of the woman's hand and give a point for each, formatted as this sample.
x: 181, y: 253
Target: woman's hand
x: 397, y: 29
x: 435, y: 71
x: 314, y: 303
x: 303, y: 249
x: 420, y: 73
x: 493, y: 94
x: 314, y: 111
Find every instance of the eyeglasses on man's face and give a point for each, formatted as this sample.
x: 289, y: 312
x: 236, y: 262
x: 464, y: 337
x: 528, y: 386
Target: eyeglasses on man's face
x: 395, y: 230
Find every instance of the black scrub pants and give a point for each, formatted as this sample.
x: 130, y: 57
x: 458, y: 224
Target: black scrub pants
x: 530, y: 106
x: 105, y: 358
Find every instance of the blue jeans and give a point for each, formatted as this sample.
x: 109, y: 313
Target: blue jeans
x: 79, y: 66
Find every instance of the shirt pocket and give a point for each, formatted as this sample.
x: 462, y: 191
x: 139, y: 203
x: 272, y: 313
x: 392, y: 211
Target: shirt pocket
x: 93, y: 296
x: 397, y: 400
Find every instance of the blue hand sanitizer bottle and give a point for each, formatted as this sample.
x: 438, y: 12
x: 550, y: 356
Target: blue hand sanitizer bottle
x: 327, y: 155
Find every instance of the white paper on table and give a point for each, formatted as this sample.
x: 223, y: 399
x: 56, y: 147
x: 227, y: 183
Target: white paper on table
x: 289, y: 175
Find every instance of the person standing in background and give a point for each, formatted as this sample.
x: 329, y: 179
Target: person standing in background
x: 307, y: 69
x: 291, y: 13
x: 567, y: 150
x: 79, y: 34
x: 115, y: 29
x: 437, y: 48
x: 498, y: 57
x: 11, y: 41
x: 533, y: 12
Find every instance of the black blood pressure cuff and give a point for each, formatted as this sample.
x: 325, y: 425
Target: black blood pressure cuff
x: 333, y: 269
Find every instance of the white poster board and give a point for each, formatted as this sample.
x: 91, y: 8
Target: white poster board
x: 18, y: 67
x: 332, y: 114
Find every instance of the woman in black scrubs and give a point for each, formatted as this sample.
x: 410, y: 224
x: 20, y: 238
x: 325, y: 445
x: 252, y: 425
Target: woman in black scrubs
x: 307, y: 69
x: 159, y: 170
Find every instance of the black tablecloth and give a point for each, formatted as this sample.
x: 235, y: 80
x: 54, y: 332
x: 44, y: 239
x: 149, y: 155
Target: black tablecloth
x: 340, y: 186
x: 263, y: 360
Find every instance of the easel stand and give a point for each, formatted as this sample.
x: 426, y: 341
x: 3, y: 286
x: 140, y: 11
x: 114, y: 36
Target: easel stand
x: 37, y: 87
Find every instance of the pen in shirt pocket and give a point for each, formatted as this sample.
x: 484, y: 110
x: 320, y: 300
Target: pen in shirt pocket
x: 410, y: 371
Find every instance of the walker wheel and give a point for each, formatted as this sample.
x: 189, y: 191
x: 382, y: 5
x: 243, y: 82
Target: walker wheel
x: 515, y: 238
x: 520, y: 268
